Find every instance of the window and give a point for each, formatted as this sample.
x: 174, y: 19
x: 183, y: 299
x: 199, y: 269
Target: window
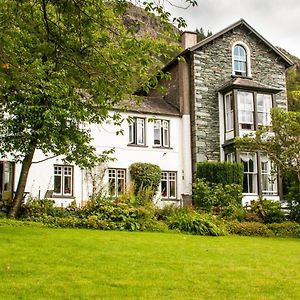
x: 230, y: 157
x: 6, y: 180
x: 63, y: 180
x: 264, y: 105
x: 249, y: 161
x: 137, y: 132
x: 268, y: 176
x: 229, y: 107
x: 116, y: 182
x: 239, y: 61
x: 168, y: 184
x: 245, y: 110
x: 161, y: 133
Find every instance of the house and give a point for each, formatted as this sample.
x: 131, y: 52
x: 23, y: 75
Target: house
x: 224, y: 89
x: 228, y: 85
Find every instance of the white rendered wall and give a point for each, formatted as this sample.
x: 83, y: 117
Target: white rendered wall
x: 41, y: 175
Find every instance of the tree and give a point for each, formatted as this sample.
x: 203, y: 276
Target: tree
x: 64, y: 64
x: 282, y: 144
x: 281, y: 141
x: 293, y: 88
x: 201, y: 35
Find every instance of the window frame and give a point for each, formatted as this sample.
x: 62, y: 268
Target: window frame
x: 229, y: 112
x: 248, y: 174
x: 171, y: 176
x: 136, y: 127
x: 163, y: 128
x: 247, y: 60
x: 116, y: 178
x: 63, y: 176
x: 271, y: 177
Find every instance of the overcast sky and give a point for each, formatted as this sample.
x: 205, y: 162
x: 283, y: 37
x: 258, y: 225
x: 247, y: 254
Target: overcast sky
x: 278, y: 21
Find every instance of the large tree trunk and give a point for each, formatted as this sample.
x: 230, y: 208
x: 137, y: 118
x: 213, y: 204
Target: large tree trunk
x: 18, y: 198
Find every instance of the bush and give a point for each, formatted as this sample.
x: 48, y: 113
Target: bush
x: 249, y: 229
x: 145, y: 175
x: 221, y: 172
x: 269, y: 211
x: 286, y: 229
x: 190, y: 221
x: 227, y: 197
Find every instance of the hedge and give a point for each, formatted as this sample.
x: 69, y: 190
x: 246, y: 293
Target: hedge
x: 221, y: 172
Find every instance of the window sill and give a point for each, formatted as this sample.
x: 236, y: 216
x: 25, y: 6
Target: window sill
x: 162, y: 147
x: 62, y: 197
x: 241, y: 76
x: 170, y: 199
x: 136, y: 145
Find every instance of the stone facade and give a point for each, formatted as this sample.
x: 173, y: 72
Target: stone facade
x: 211, y: 68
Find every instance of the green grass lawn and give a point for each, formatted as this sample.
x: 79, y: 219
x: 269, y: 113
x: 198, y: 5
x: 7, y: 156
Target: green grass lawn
x: 42, y: 263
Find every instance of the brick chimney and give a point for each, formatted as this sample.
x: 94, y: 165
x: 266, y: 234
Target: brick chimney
x: 188, y: 39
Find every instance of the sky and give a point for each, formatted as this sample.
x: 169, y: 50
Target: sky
x: 278, y: 21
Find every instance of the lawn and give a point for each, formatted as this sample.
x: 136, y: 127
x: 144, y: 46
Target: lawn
x: 42, y: 263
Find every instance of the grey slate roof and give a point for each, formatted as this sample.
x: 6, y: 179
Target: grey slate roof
x: 149, y: 105
x: 248, y: 84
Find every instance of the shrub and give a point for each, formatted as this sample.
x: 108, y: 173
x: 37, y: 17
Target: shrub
x: 270, y: 211
x: 221, y: 172
x: 285, y: 229
x: 249, y: 229
x: 227, y: 197
x: 145, y: 175
x: 190, y: 221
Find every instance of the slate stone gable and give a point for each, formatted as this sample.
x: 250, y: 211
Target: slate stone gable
x: 211, y: 67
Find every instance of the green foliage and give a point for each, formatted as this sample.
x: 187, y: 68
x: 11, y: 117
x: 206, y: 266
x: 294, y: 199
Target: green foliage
x: 249, y: 229
x: 145, y: 175
x: 283, y: 145
x: 270, y: 211
x: 190, y: 221
x: 221, y: 172
x: 201, y: 34
x: 293, y: 88
x: 285, y: 229
x: 291, y: 191
x: 227, y: 197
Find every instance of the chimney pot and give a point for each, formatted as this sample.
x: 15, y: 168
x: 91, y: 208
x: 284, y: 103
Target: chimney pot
x: 188, y: 39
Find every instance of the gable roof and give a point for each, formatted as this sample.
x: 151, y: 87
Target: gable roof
x: 211, y: 38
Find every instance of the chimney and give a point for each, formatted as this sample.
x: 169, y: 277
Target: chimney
x: 188, y: 39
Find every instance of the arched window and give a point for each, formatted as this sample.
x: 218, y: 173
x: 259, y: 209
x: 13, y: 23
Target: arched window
x: 239, y: 60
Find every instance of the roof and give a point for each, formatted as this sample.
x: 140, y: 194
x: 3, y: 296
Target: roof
x: 211, y: 38
x: 149, y: 105
x: 247, y: 83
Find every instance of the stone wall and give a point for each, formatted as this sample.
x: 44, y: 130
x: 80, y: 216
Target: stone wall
x: 211, y: 68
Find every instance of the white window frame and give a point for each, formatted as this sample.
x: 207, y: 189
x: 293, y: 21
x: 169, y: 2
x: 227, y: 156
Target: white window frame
x: 63, y: 172
x: 230, y: 157
x: 242, y: 109
x: 265, y: 109
x: 116, y: 174
x: 169, y: 177
x: 229, y: 112
x: 248, y: 59
x: 137, y: 132
x: 161, y: 128
x: 268, y: 176
x: 248, y: 174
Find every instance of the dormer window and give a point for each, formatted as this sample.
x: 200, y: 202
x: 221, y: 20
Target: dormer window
x: 239, y: 60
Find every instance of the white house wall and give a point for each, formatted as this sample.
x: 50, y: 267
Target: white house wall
x: 41, y: 175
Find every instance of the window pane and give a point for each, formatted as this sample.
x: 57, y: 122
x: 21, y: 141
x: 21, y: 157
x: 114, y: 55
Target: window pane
x: 57, y: 184
x: 166, y: 133
x: 67, y: 184
x: 264, y: 105
x: 112, y: 187
x: 157, y: 135
x: 164, y: 190
x: 140, y: 131
x: 246, y: 110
